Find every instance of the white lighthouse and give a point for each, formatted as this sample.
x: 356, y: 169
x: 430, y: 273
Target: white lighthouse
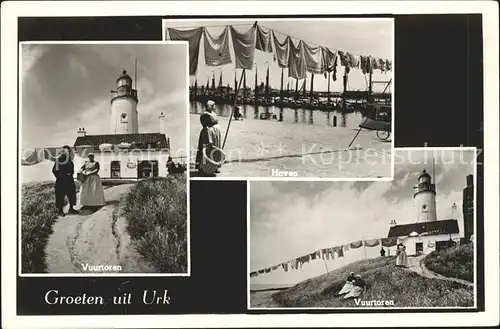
x: 124, y: 107
x: 425, y: 199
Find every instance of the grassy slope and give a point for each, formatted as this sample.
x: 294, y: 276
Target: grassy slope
x: 38, y: 213
x: 386, y: 282
x: 156, y: 214
x: 456, y: 262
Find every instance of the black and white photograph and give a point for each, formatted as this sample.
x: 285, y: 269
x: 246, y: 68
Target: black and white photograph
x: 103, y: 140
x: 289, y: 98
x: 408, y: 243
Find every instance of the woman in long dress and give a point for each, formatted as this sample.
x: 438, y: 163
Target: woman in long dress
x: 402, y: 258
x: 210, y: 134
x: 92, y: 193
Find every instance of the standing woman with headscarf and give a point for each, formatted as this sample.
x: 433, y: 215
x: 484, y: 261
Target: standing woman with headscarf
x: 92, y: 194
x: 401, y: 259
x: 210, y: 134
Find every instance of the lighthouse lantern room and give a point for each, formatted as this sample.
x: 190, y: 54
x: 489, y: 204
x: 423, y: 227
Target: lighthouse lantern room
x: 124, y: 107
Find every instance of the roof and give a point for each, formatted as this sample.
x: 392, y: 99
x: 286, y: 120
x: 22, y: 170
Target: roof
x: 447, y: 226
x: 424, y: 174
x: 141, y: 141
x: 124, y: 76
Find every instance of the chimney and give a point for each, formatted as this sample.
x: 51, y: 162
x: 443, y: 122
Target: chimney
x: 454, y: 211
x: 162, y: 122
x: 81, y: 132
x: 470, y: 180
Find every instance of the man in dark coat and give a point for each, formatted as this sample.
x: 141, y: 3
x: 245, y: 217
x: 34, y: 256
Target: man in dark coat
x: 63, y: 170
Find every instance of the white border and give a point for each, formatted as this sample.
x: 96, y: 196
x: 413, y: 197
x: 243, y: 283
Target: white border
x: 366, y: 309
x: 308, y: 178
x: 93, y: 274
x: 489, y: 10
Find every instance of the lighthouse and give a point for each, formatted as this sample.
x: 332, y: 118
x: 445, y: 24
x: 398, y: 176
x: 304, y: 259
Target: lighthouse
x: 124, y: 107
x: 425, y: 199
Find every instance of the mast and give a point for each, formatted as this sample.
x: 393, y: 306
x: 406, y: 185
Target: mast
x: 328, y: 93
x: 312, y: 87
x: 281, y: 86
x: 135, y: 74
x: 370, y: 87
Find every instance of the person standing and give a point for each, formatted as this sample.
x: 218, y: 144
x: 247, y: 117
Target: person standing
x: 210, y: 134
x: 92, y: 193
x: 63, y: 170
x: 402, y: 258
x: 382, y: 252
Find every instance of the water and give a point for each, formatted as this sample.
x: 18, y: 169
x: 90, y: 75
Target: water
x: 288, y: 115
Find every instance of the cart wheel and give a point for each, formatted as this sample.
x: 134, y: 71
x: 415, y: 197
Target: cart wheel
x: 383, y: 135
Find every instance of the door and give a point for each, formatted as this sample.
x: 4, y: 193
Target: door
x: 115, y: 169
x: 419, y: 248
x: 147, y: 169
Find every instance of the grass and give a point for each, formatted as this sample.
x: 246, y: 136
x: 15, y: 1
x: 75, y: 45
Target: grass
x: 386, y: 282
x: 457, y: 262
x: 156, y: 214
x: 38, y: 214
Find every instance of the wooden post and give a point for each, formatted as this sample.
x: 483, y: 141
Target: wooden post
x: 232, y: 110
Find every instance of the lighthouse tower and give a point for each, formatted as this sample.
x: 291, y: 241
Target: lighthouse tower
x: 124, y: 107
x: 425, y: 199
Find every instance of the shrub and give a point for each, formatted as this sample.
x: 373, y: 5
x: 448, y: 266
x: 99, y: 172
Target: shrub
x: 456, y: 262
x: 156, y: 214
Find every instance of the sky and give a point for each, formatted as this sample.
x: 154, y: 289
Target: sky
x: 291, y: 219
x: 358, y: 36
x: 67, y: 86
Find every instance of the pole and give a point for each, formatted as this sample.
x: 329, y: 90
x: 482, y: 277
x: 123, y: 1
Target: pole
x: 232, y: 110
x: 312, y: 87
x: 267, y: 82
x: 326, y: 266
x: 296, y: 88
x: 281, y: 86
x: 328, y: 93
x: 255, y: 93
x: 361, y: 126
x: 135, y: 73
x: 370, y: 87
x: 244, y: 86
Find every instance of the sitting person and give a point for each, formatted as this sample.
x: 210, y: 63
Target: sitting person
x: 360, y: 286
x: 349, y: 284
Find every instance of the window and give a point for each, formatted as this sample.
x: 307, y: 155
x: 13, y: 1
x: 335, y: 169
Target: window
x: 124, y: 117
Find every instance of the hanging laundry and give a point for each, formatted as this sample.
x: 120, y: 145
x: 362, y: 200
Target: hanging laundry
x: 330, y: 62
x: 243, y: 45
x: 313, y: 255
x: 348, y: 61
x: 381, y: 64
x: 268, y: 270
x: 313, y: 57
x: 274, y: 268
x: 357, y: 244
x: 193, y: 37
x: 253, y: 274
x: 217, y: 49
x: 318, y: 254
x: 263, y: 42
x: 389, y: 242
x: 365, y: 64
x: 375, y: 64
x: 285, y: 266
x: 295, y: 264
x: 261, y: 271
x: 297, y: 67
x: 31, y: 157
x: 372, y: 243
x: 346, y: 247
x: 323, y: 253
x: 282, y: 51
x: 331, y: 253
x: 340, y: 251
x: 388, y: 65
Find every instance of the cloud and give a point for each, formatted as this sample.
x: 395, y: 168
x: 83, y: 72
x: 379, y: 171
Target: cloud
x: 31, y: 53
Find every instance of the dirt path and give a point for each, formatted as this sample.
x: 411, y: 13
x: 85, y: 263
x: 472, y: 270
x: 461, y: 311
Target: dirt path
x: 81, y: 242
x: 416, y: 264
